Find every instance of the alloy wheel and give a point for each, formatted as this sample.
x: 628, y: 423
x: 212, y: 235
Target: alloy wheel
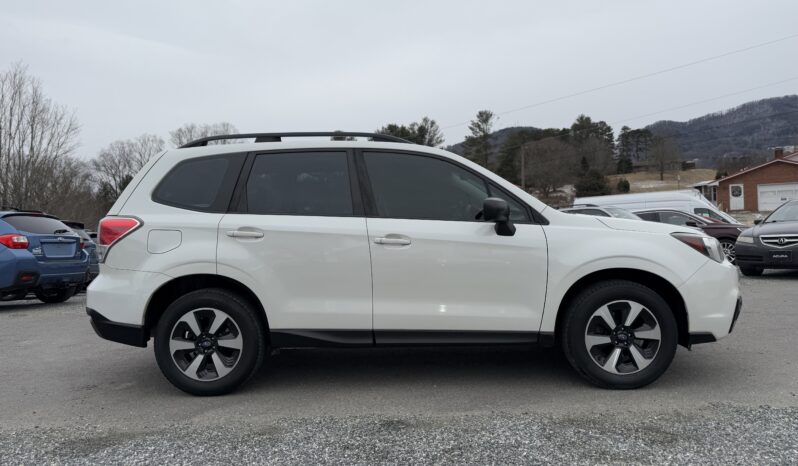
x: 728, y: 250
x: 205, y: 344
x: 622, y: 337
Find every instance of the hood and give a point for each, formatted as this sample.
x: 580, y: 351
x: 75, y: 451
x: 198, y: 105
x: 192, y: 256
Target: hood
x: 776, y: 228
x: 643, y: 226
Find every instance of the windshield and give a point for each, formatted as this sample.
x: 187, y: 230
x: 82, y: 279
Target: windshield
x: 786, y: 213
x: 621, y: 213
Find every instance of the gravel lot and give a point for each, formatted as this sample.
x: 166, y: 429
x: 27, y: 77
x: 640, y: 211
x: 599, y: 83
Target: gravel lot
x: 69, y: 397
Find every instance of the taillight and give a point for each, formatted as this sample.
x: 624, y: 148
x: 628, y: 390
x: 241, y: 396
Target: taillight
x: 14, y: 241
x: 113, y: 229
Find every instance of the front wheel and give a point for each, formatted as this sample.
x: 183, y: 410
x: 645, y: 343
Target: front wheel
x: 55, y: 296
x: 619, y: 334
x: 728, y: 250
x: 209, y: 342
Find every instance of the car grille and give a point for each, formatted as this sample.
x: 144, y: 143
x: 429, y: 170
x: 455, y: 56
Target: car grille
x: 779, y: 241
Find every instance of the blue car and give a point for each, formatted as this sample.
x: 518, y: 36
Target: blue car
x: 58, y: 252
x: 90, y: 246
x: 19, y: 270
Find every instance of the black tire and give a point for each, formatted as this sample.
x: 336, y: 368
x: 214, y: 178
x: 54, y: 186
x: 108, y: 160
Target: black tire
x: 246, y: 320
x: 55, y: 296
x: 578, y: 316
x: 752, y: 271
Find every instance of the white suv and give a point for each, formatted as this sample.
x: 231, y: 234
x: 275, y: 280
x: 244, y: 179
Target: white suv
x: 221, y: 252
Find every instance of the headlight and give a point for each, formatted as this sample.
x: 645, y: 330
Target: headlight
x: 741, y: 229
x: 745, y: 239
x: 706, y: 245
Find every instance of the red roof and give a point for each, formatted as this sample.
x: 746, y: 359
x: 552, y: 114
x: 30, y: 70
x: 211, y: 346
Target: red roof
x: 791, y: 161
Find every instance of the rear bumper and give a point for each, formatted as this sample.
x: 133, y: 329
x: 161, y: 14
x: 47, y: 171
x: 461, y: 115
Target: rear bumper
x: 128, y: 334
x: 19, y: 270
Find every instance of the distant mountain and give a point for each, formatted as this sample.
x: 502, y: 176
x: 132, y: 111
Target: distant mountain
x: 749, y: 129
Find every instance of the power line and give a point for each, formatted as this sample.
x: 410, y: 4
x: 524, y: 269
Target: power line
x: 637, y: 78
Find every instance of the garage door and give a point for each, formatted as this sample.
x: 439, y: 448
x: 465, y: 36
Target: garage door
x: 773, y: 195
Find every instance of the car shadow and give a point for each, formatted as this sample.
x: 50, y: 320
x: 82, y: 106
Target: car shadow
x: 422, y: 365
x: 781, y: 274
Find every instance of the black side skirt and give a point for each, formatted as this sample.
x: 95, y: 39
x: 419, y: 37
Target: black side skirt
x: 298, y: 338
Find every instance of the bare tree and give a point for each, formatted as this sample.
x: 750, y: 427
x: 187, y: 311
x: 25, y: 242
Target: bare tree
x: 36, y: 137
x: 664, y: 153
x: 192, y: 131
x: 118, y: 163
x: 550, y: 164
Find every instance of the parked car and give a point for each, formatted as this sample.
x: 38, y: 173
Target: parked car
x: 58, y: 251
x: 726, y: 233
x: 608, y: 211
x: 219, y: 252
x: 19, y: 270
x: 772, y: 243
x: 89, y: 246
x: 689, y: 201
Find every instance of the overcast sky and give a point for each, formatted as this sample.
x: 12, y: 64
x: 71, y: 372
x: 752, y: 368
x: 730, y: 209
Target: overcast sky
x: 128, y: 68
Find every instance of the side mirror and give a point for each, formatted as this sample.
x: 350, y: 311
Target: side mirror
x: 691, y: 223
x: 757, y: 221
x: 498, y: 211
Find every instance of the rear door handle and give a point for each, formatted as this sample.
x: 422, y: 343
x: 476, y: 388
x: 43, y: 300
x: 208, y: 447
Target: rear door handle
x: 244, y: 234
x: 392, y: 241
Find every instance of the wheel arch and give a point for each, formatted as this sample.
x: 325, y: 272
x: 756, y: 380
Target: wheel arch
x: 179, y: 286
x: 658, y: 284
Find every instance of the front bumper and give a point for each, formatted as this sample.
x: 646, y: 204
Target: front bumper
x: 706, y: 337
x: 757, y: 255
x: 712, y: 298
x: 129, y: 334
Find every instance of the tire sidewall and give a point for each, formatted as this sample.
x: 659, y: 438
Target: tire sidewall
x: 249, y: 327
x: 598, y: 296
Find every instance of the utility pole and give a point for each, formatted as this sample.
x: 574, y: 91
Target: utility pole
x: 523, y: 170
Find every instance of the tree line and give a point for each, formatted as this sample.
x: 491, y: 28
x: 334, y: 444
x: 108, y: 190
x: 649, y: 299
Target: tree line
x: 40, y: 169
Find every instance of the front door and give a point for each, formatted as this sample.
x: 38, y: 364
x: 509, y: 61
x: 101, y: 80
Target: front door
x: 300, y: 243
x: 736, y: 197
x: 440, y: 273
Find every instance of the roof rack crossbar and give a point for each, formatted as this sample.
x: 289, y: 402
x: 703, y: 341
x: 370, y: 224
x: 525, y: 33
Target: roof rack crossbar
x: 277, y: 137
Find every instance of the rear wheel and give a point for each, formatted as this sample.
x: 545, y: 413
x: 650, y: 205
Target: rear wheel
x: 752, y: 271
x: 209, y: 342
x: 619, y: 334
x: 55, y: 296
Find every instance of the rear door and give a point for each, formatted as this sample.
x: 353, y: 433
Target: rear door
x: 297, y: 237
x: 439, y: 272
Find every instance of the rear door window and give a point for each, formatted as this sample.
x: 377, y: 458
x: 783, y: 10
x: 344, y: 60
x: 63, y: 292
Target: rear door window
x: 204, y: 184
x: 37, y: 224
x: 300, y: 183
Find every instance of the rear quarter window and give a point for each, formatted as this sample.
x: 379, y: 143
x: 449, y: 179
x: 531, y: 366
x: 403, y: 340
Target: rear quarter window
x: 204, y: 184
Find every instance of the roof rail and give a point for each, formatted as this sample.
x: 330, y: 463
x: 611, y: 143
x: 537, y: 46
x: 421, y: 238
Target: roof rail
x: 277, y: 137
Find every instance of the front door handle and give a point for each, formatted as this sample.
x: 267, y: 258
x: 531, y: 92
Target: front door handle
x: 244, y: 234
x: 392, y: 241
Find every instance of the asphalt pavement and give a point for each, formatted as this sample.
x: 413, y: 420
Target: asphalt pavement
x: 67, y: 396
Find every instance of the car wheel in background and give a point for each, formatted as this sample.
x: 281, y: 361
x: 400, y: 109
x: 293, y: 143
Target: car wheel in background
x: 55, y: 296
x: 619, y: 334
x: 728, y: 250
x: 209, y: 342
x: 752, y: 271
